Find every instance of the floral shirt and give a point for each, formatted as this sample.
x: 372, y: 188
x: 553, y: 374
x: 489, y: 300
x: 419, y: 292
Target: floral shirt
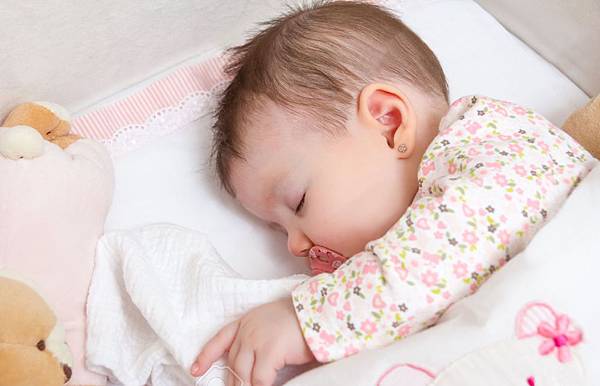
x: 488, y: 181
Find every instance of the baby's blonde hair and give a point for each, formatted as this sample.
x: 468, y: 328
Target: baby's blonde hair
x: 313, y: 61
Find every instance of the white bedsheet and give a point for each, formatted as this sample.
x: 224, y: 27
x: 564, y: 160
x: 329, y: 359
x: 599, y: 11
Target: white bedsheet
x: 168, y: 180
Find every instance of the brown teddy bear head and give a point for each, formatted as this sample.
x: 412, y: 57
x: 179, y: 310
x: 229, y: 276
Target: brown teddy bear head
x: 52, y: 121
x: 32, y: 344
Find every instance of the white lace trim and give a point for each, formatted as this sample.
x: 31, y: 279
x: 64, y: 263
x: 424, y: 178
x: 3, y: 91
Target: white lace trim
x: 164, y: 121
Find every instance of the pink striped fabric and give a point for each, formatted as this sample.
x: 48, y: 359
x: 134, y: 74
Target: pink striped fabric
x: 170, y: 90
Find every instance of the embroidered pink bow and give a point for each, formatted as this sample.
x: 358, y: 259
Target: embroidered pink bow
x: 559, y: 337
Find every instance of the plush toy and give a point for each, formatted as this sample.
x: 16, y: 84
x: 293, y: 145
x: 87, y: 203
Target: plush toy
x: 55, y: 192
x: 20, y: 142
x: 52, y: 121
x: 584, y: 126
x: 32, y: 342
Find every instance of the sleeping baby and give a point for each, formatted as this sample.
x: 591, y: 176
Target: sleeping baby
x: 336, y: 129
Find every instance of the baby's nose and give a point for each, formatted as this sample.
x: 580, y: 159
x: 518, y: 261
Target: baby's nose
x: 299, y: 244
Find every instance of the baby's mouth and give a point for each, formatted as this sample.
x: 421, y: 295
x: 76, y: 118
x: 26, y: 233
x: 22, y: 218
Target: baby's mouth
x: 322, y: 260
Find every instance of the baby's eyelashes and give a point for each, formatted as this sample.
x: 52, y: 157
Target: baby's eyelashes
x: 301, y: 203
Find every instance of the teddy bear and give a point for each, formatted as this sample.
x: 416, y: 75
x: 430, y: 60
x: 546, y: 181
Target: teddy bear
x: 33, y: 350
x: 51, y: 120
x: 55, y: 192
x: 584, y: 126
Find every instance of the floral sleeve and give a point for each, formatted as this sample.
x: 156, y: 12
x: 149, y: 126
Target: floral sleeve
x: 488, y: 181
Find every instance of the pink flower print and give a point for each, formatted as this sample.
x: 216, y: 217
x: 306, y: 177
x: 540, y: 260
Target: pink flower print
x: 519, y: 110
x: 429, y: 278
x: 378, y: 302
x: 332, y: 298
x: 428, y: 167
x: 473, y: 127
x: 473, y: 152
x: 327, y: 338
x: 321, y: 354
x: 422, y: 223
x: 500, y: 179
x: 431, y: 257
x: 504, y: 237
x: 520, y: 170
x: 468, y: 211
x: 368, y: 327
x: 404, y: 330
x: 350, y: 350
x: 470, y: 237
x: 494, y: 165
x: 535, y: 204
x: 451, y: 168
x: 501, y: 111
x: 347, y: 307
x: 503, y: 218
x: 515, y: 147
x: 543, y: 146
x: 441, y: 225
x: 460, y: 270
x: 438, y: 235
x: 370, y: 267
x: 339, y: 314
x: 559, y: 337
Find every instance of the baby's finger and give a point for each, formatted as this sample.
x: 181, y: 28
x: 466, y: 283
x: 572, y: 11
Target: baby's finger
x: 265, y: 369
x: 215, y: 347
x: 242, y: 368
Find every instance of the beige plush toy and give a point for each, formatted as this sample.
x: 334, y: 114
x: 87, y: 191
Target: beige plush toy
x: 32, y: 344
x: 52, y: 121
x: 584, y: 126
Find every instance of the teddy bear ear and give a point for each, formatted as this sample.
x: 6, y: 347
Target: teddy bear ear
x: 34, y: 115
x: 56, y: 109
x: 584, y: 126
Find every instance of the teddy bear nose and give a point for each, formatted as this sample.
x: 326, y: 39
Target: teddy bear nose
x: 68, y: 372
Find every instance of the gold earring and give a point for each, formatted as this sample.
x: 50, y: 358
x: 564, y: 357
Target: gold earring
x: 402, y: 148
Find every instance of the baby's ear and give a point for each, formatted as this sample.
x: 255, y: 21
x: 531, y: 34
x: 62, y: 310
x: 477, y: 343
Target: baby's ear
x: 386, y: 109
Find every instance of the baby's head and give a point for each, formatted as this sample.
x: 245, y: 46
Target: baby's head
x: 321, y: 131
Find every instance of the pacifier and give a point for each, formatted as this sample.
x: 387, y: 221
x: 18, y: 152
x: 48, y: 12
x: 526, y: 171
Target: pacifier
x: 322, y: 260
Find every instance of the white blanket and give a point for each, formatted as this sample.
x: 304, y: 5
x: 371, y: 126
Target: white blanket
x: 158, y: 293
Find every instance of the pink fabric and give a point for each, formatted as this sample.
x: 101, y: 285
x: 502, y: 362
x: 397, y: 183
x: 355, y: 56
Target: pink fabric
x: 170, y: 90
x: 52, y: 213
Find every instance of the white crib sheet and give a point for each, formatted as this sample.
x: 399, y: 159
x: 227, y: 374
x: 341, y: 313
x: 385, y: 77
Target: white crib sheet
x: 167, y: 180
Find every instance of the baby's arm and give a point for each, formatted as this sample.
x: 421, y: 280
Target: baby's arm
x: 480, y: 202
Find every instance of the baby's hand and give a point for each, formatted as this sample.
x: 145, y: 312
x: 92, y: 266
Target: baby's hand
x: 260, y: 343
